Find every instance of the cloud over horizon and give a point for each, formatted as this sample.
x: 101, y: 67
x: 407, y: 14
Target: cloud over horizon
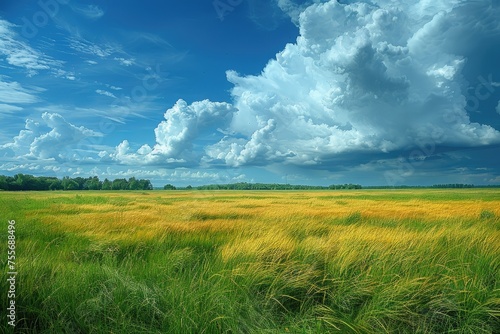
x: 175, y: 135
x: 54, y: 139
x: 362, y: 77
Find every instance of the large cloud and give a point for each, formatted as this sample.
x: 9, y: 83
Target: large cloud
x: 363, y: 77
x: 375, y: 77
x: 184, y: 126
x: 54, y: 139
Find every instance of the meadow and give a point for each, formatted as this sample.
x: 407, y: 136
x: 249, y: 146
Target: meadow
x: 346, y: 261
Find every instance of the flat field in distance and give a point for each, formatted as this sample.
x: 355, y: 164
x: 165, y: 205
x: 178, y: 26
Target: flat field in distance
x: 347, y: 261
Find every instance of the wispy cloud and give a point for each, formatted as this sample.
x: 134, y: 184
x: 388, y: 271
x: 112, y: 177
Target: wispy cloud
x: 64, y: 74
x: 13, y: 92
x: 84, y: 46
x: 116, y: 111
x: 92, y: 12
x: 125, y: 62
x: 113, y: 87
x: 293, y: 8
x: 20, y: 54
x: 105, y: 93
x: 7, y: 108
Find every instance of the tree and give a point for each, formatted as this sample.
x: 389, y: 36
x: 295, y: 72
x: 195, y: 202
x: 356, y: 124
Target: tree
x: 119, y: 184
x: 69, y: 184
x: 169, y: 187
x: 11, y: 183
x: 56, y: 185
x: 92, y: 183
x: 106, y: 184
x: 20, y: 181
x: 45, y: 182
x: 80, y: 181
x: 145, y: 184
x: 26, y: 182
x: 72, y: 185
x: 30, y: 182
x: 3, y: 183
x: 134, y: 184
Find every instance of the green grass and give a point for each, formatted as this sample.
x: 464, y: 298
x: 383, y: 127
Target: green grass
x: 253, y: 262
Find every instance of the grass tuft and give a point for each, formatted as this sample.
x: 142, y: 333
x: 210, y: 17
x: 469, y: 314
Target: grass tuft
x: 487, y: 214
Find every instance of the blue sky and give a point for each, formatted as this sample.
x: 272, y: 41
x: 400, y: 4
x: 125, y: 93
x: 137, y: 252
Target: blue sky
x: 381, y: 92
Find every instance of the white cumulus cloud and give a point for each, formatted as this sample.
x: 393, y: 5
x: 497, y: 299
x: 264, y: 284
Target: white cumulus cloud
x: 175, y: 136
x: 53, y: 138
x: 362, y: 77
x: 372, y: 77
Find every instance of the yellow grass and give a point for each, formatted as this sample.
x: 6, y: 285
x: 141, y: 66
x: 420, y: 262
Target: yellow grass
x: 348, y: 261
x: 263, y: 225
x: 270, y: 214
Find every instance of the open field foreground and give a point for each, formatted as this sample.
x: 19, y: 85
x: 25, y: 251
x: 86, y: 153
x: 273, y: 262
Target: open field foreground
x: 364, y: 261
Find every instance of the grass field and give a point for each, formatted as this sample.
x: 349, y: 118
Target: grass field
x: 366, y: 261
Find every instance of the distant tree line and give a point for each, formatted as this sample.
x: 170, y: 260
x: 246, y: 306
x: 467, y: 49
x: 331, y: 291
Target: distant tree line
x: 263, y: 186
x: 256, y: 186
x: 21, y: 182
x: 29, y: 182
x: 446, y: 186
x: 345, y: 186
x: 453, y: 185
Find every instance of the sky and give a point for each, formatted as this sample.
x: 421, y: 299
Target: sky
x: 318, y: 92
